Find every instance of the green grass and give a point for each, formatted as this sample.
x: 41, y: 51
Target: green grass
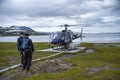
x: 10, y: 56
x: 106, y: 55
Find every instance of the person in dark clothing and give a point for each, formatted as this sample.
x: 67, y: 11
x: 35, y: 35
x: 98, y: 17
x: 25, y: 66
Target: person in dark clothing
x: 19, y: 43
x: 27, y: 50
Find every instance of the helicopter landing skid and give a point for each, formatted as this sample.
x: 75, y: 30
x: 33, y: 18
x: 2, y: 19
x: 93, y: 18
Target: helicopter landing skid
x: 63, y: 50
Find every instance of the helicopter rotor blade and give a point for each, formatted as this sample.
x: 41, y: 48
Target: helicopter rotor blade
x: 74, y: 25
x: 68, y: 25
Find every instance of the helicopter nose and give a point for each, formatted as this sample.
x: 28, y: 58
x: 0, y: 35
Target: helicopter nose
x: 55, y: 41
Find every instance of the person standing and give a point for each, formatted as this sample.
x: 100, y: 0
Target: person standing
x: 19, y: 43
x: 27, y: 49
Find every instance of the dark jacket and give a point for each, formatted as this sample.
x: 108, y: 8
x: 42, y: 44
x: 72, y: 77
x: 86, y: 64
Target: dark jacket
x: 19, y: 43
x: 31, y: 44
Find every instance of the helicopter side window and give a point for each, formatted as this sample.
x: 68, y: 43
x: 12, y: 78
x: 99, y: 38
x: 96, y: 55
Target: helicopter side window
x: 67, y: 35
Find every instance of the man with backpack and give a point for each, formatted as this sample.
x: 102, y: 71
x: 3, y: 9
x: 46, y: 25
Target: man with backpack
x: 19, y: 43
x: 27, y: 50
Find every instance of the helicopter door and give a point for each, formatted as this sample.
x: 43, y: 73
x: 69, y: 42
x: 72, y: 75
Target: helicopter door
x: 67, y: 37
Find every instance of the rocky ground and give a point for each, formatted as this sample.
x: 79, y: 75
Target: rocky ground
x: 55, y: 65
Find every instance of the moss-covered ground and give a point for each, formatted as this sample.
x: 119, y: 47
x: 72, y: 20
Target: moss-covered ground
x: 103, y: 64
x: 10, y: 56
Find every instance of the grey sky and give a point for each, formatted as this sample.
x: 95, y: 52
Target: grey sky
x: 96, y: 15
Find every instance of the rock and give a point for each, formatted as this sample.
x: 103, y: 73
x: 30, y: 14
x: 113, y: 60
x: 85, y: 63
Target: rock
x: 51, y: 66
x: 89, y: 51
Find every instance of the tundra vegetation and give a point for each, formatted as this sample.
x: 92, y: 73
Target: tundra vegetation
x: 98, y: 61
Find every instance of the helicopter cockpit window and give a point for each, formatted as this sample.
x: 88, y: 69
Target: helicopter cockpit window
x: 59, y: 36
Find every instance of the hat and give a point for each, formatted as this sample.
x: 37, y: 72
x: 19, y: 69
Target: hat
x: 26, y: 34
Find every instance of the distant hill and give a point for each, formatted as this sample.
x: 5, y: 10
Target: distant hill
x: 23, y: 28
x: 15, y: 30
x: 2, y: 30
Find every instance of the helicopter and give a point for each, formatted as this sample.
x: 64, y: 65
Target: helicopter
x: 62, y: 39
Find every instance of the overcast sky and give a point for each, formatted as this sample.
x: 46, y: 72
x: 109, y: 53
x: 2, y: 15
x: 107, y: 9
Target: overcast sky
x: 92, y: 15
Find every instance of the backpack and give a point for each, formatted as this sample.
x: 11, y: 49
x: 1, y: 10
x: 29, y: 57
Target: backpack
x: 25, y: 44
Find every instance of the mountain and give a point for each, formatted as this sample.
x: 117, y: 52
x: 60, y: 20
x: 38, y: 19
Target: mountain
x: 2, y: 30
x: 22, y: 28
x: 15, y: 30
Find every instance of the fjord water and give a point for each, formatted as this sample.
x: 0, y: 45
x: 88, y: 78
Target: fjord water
x: 101, y: 38
x: 88, y: 37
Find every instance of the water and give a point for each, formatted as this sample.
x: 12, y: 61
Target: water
x: 101, y: 38
x: 43, y: 38
x: 93, y: 38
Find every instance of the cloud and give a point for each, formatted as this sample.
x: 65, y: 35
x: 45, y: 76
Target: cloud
x: 47, y: 8
x: 96, y: 13
x: 42, y: 8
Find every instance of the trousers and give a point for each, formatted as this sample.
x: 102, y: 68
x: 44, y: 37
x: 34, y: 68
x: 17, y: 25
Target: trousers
x: 26, y: 60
